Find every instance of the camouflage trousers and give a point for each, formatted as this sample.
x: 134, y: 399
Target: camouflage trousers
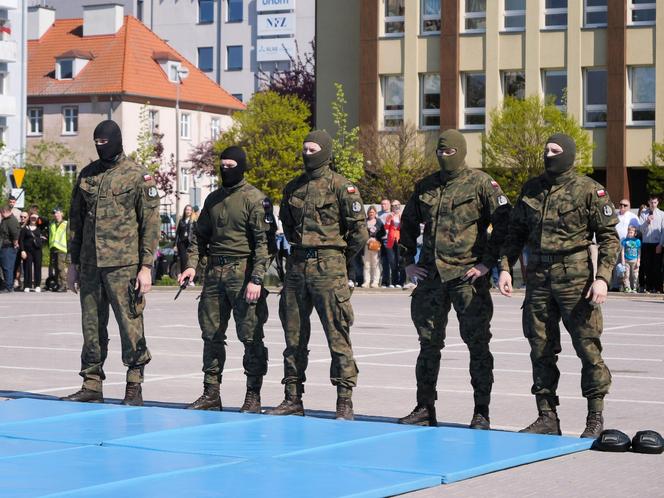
x: 319, y: 282
x: 555, y: 291
x: 430, y: 305
x: 59, y: 268
x: 113, y: 287
x: 223, y: 293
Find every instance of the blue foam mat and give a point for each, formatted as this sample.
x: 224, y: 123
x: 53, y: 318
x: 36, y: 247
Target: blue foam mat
x: 20, y: 410
x: 10, y: 448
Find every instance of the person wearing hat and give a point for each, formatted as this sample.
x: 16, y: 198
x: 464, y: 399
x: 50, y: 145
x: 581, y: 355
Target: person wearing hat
x: 557, y: 215
x: 235, y: 230
x: 323, y: 218
x: 57, y: 245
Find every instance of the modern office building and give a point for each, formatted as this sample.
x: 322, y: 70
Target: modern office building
x: 232, y: 41
x: 446, y: 63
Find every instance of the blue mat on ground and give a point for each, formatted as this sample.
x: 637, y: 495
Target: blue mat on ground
x: 77, y: 449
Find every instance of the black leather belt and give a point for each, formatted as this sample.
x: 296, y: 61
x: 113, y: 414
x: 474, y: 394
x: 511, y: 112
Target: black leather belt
x: 222, y: 260
x: 313, y: 253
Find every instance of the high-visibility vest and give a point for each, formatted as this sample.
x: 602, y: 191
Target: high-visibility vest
x: 57, y: 236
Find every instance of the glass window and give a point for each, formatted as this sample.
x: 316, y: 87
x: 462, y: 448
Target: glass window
x: 66, y: 69
x: 643, y: 12
x: 430, y: 102
x: 215, y: 128
x: 475, y: 15
x: 35, y: 121
x: 234, y: 58
x: 153, y: 120
x: 392, y: 101
x: 184, y: 180
x: 234, y: 11
x: 515, y: 15
x: 642, y: 89
x: 474, y: 90
x: 514, y: 84
x: 205, y: 63
x: 394, y: 17
x: 173, y: 69
x: 555, y: 85
x: 555, y: 14
x: 70, y: 120
x: 430, y: 10
x: 595, y: 13
x: 69, y: 170
x: 184, y: 125
x: 238, y: 96
x: 205, y: 11
x: 595, y: 97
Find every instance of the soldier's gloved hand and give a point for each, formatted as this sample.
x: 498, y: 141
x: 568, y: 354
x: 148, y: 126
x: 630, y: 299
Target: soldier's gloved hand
x: 597, y: 292
x: 143, y: 280
x: 477, y: 271
x: 252, y: 293
x: 416, y: 271
x: 189, y: 272
x: 505, y: 283
x: 72, y: 278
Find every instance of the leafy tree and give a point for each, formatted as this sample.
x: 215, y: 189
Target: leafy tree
x: 513, y: 149
x: 47, y: 188
x: 655, y: 165
x: 271, y: 130
x: 348, y: 158
x: 203, y: 159
x: 45, y: 154
x: 164, y: 177
x: 150, y: 148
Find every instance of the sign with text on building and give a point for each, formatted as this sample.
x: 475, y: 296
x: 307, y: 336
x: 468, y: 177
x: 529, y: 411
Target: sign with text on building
x: 276, y: 24
x: 272, y: 5
x: 275, y: 49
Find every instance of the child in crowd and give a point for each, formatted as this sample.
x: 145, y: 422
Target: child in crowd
x: 630, y: 257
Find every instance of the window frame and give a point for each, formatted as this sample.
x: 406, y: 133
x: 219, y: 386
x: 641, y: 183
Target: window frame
x: 555, y: 72
x: 647, y: 106
x: 228, y: 58
x: 228, y: 11
x: 184, y: 180
x: 472, y: 111
x: 185, y: 125
x: 238, y: 96
x: 393, y: 19
x: 555, y: 11
x: 473, y: 15
x: 395, y: 114
x: 198, y: 17
x: 429, y: 17
x: 39, y: 120
x: 58, y: 72
x: 590, y: 108
x: 513, y: 13
x: 593, y: 8
x: 153, y: 119
x: 73, y: 109
x: 631, y: 7
x: 198, y: 55
x: 503, y: 76
x: 70, y: 170
x: 425, y: 112
x: 215, y: 131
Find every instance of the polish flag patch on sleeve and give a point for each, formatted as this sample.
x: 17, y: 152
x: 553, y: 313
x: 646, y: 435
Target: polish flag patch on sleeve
x: 351, y: 189
x: 601, y: 193
x: 147, y: 178
x: 494, y: 184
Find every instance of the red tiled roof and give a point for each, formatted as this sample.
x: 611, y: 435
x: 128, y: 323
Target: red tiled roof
x: 123, y: 63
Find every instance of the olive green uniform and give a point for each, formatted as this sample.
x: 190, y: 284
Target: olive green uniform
x: 323, y: 219
x: 557, y: 221
x: 235, y: 231
x: 114, y: 229
x: 456, y: 214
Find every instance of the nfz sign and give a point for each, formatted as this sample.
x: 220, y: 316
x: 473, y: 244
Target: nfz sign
x: 276, y: 24
x: 272, y: 5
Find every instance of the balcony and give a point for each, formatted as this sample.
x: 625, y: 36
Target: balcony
x: 7, y: 51
x: 7, y: 105
x: 8, y: 4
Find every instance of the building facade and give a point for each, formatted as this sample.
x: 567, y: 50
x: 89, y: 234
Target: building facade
x: 231, y: 41
x: 446, y: 63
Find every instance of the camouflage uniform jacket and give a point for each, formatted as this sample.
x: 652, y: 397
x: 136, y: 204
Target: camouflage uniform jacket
x: 114, y: 215
x: 235, y: 222
x: 324, y: 210
x: 562, y: 219
x: 456, y: 214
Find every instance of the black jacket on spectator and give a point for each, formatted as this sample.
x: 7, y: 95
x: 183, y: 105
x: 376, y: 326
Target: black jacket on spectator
x: 378, y: 230
x: 30, y: 240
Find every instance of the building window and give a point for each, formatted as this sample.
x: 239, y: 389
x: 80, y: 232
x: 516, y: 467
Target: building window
x: 392, y: 87
x: 642, y: 90
x: 514, y: 84
x: 430, y: 104
x: 515, y: 15
x: 430, y: 10
x: 184, y: 181
x: 70, y: 120
x: 205, y: 11
x: 35, y: 121
x: 234, y: 58
x: 69, y: 170
x: 474, y: 89
x: 205, y: 63
x: 185, y: 132
x: 555, y: 14
x: 215, y: 128
x: 65, y: 69
x: 555, y: 87
x: 595, y: 93
x: 153, y: 120
x: 475, y: 16
x: 394, y: 17
x: 173, y: 72
x: 595, y: 13
x: 234, y: 11
x: 642, y: 12
x: 238, y: 96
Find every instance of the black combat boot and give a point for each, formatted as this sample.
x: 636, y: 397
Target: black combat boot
x: 546, y: 423
x: 291, y: 405
x: 480, y: 418
x: 85, y: 395
x: 209, y: 400
x: 252, y: 402
x: 133, y: 394
x: 594, y: 425
x: 421, y: 415
x: 344, y: 409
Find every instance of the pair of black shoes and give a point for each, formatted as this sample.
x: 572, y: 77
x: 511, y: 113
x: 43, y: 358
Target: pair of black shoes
x: 133, y: 395
x: 613, y: 440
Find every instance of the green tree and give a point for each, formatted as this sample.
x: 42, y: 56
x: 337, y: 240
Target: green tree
x: 655, y: 165
x: 47, y: 188
x: 513, y: 149
x: 271, y: 130
x: 45, y: 154
x: 149, y: 149
x: 348, y: 158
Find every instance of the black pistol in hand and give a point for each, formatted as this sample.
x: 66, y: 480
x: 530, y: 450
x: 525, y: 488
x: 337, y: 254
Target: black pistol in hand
x: 183, y: 286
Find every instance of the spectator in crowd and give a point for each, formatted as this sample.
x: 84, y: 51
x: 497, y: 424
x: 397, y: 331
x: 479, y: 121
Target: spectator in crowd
x: 22, y: 220
x: 384, y: 212
x: 625, y: 219
x: 393, y: 229
x: 652, y: 230
x: 12, y: 204
x: 372, y: 249
x: 30, y: 241
x: 184, y: 234
x: 9, y: 231
x: 630, y: 257
x: 57, y: 245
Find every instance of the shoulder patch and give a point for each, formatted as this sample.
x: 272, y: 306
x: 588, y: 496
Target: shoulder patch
x: 147, y: 177
x: 601, y: 193
x: 607, y: 210
x: 494, y: 184
x: 351, y: 189
x: 152, y: 192
x: 356, y: 207
x: 502, y: 200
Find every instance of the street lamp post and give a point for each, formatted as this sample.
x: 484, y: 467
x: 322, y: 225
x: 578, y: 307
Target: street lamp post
x: 182, y: 74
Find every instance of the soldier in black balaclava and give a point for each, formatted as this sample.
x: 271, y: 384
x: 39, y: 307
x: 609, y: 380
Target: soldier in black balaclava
x: 108, y: 141
x: 559, y: 160
x: 232, y: 175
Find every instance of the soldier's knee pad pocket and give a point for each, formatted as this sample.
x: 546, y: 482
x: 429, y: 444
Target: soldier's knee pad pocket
x: 342, y: 294
x: 136, y: 302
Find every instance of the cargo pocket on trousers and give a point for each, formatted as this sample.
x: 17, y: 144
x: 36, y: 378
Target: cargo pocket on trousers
x: 342, y: 293
x: 136, y: 302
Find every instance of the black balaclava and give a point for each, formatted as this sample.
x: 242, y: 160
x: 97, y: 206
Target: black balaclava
x: 557, y: 165
x: 232, y: 176
x: 110, y: 131
x: 315, y: 161
x: 452, y: 165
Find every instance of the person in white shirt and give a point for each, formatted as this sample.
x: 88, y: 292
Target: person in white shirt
x: 652, y: 233
x: 625, y: 219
